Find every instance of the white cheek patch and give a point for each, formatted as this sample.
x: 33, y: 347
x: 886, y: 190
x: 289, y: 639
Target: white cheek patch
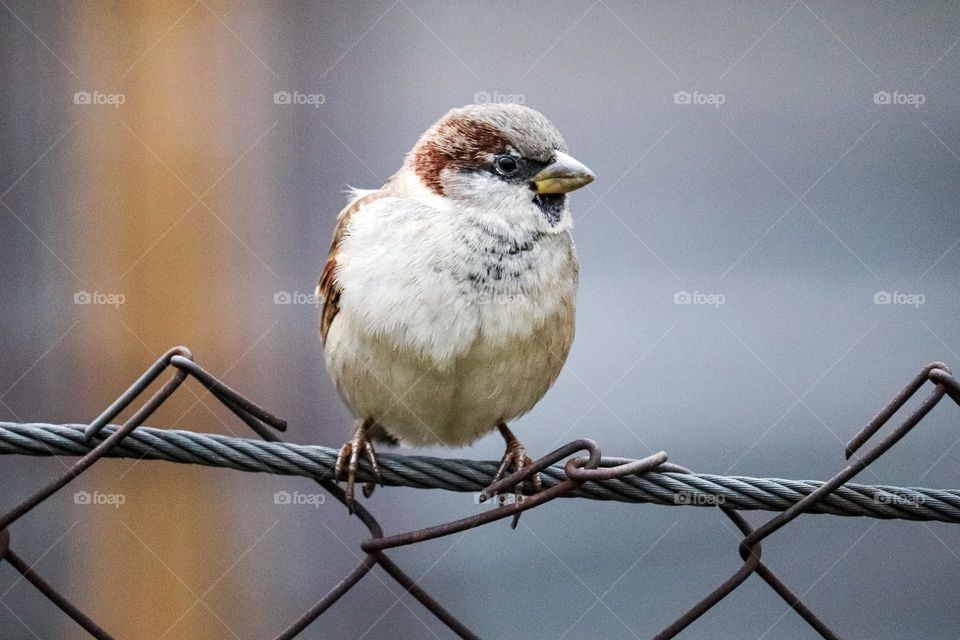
x: 502, y: 204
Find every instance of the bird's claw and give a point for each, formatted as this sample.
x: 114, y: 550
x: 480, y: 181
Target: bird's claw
x: 514, y: 459
x: 349, y: 457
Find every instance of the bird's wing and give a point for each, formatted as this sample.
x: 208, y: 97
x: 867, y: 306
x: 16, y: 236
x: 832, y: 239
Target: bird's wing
x: 328, y: 289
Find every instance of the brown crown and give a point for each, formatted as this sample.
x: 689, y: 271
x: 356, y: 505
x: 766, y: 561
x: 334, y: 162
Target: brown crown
x: 458, y: 144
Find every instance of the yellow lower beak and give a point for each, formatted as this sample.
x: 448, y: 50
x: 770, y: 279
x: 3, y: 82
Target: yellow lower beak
x: 562, y: 176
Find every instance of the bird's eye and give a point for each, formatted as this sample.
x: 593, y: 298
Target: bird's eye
x: 506, y: 164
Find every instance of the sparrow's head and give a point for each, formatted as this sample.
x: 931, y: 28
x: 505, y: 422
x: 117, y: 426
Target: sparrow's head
x: 504, y: 160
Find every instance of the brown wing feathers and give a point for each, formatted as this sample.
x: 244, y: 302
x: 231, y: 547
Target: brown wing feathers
x: 328, y: 288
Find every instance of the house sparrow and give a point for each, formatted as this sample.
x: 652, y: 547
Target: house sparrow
x: 449, y: 292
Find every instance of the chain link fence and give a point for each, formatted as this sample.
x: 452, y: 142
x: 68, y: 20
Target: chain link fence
x: 564, y: 475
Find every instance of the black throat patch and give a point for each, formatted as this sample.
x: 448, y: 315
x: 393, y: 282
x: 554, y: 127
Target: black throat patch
x: 551, y: 205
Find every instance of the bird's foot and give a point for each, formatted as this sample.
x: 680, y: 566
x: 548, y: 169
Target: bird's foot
x: 514, y: 459
x: 349, y: 458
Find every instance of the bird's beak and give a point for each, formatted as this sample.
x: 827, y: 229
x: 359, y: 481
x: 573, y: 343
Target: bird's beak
x: 563, y: 175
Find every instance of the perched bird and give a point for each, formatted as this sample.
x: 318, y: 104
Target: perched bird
x: 449, y: 292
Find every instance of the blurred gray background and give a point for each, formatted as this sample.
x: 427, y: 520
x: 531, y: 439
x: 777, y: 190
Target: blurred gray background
x: 784, y: 188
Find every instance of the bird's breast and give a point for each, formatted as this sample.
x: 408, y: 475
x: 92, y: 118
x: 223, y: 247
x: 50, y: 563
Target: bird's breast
x: 453, y: 402
x: 446, y: 328
x: 435, y: 282
x: 516, y: 282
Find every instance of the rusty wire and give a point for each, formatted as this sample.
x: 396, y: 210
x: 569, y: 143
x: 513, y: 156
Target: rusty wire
x: 590, y: 476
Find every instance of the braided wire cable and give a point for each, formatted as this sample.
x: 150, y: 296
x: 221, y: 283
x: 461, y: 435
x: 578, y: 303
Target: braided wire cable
x: 668, y: 485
